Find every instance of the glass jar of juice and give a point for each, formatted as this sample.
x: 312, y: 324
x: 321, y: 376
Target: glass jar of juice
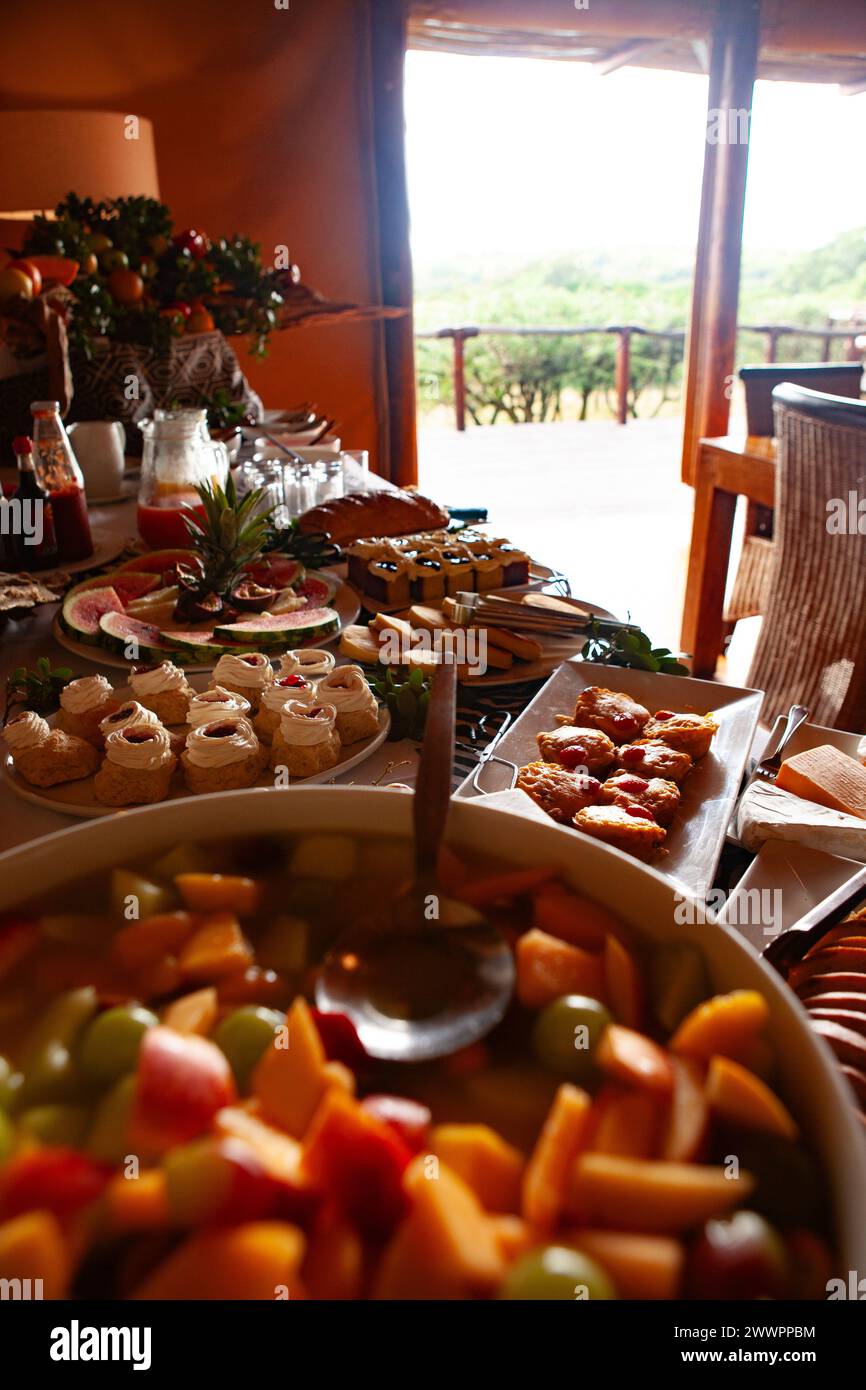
x: 57, y: 471
x: 178, y: 457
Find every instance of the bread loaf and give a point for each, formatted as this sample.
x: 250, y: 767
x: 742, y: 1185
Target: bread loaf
x: 381, y: 513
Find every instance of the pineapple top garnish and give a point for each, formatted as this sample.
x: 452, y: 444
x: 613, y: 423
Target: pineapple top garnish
x: 229, y: 535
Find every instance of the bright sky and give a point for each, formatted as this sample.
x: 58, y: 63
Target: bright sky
x: 526, y: 156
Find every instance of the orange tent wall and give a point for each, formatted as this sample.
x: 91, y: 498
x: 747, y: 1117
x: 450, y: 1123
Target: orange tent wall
x: 263, y: 125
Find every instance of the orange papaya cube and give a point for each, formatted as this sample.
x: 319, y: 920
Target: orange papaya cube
x: 143, y: 943
x: 447, y: 1247
x: 570, y: 917
x: 548, y: 968
x: 338, y: 1074
x: 502, y: 887
x: 260, y: 1259
x: 688, y: 1118
x: 217, y: 947
x: 193, y: 1013
x: 724, y: 1024
x: 625, y: 1122
x: 485, y: 1162
x: 219, y: 893
x: 136, y: 1204
x: 159, y: 978
x: 622, y: 980
x: 545, y: 1182
x: 648, y: 1267
x: 741, y: 1098
x: 32, y: 1247
x: 334, y: 1266
x: 279, y: 1153
x: 634, y: 1059
x: 651, y: 1196
x: 514, y: 1236
x: 290, y: 1078
x: 358, y: 1161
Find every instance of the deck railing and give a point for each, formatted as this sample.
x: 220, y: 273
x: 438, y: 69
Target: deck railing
x: 771, y: 333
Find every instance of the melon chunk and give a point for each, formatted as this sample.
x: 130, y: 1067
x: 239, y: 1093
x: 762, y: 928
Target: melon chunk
x: 579, y: 921
x: 290, y: 1081
x: 193, y: 1013
x: 640, y: 1266
x: 626, y: 1122
x: 545, y: 1183
x: 252, y: 1261
x: 32, y: 1247
x: 688, y: 1118
x: 447, y: 1247
x: 655, y: 1197
x: 548, y: 968
x: 726, y: 1025
x: 634, y: 1059
x: 742, y: 1098
x: 485, y: 1162
x: 624, y: 988
x: 828, y: 777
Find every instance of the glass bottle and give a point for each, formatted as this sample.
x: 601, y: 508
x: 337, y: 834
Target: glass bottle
x: 33, y: 543
x: 58, y: 471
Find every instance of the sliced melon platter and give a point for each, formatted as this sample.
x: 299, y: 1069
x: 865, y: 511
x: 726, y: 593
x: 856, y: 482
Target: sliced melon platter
x: 137, y: 600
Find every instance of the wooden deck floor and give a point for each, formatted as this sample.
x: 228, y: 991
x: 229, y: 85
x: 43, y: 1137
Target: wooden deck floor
x: 600, y: 501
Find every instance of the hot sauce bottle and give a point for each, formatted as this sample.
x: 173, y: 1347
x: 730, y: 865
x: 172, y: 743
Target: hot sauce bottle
x: 33, y: 543
x: 58, y: 472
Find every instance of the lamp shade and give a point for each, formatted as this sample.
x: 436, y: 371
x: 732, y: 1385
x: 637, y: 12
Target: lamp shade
x: 96, y: 154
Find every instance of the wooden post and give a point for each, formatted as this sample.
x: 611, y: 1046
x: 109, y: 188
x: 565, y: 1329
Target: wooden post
x: 459, y: 381
x: 623, y: 373
x: 712, y: 329
x: 770, y: 344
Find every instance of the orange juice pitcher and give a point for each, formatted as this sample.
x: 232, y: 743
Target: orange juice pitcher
x: 178, y: 457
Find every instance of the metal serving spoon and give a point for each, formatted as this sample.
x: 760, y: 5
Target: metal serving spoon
x: 421, y: 976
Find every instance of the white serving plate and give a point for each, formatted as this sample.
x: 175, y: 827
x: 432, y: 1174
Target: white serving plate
x: 789, y: 880
x: 694, y: 841
x: 809, y: 1080
x: 344, y: 602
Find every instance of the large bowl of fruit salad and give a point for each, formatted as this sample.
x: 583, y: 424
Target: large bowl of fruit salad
x: 653, y: 1118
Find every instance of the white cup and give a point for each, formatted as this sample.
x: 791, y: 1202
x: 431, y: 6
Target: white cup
x: 99, y: 447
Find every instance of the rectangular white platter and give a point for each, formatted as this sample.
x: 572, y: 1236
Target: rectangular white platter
x: 695, y: 839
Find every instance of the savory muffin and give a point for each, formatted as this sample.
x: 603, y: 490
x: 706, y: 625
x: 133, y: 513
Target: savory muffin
x: 587, y: 749
x: 630, y: 828
x: 617, y: 714
x: 559, y: 792
x: 649, y: 758
x: 661, y: 798
x: 688, y: 733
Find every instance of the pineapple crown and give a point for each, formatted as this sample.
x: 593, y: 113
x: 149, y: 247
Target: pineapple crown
x: 230, y: 534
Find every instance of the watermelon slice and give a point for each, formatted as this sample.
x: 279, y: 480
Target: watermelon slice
x: 83, y: 610
x: 162, y: 563
x: 118, y: 630
x: 195, y: 645
x: 280, y: 629
x: 317, y: 589
x: 276, y: 572
x: 128, y: 585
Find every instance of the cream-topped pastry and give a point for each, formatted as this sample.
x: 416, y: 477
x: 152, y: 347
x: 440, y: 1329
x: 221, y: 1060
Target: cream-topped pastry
x: 130, y: 713
x: 44, y: 756
x: 207, y: 705
x: 164, y: 689
x: 861, y: 750
x: 86, y: 694
x: 84, y: 703
x: 293, y: 686
x: 222, y: 754
x: 247, y: 674
x: 357, y: 712
x: 138, y: 766
x: 311, y: 662
x: 27, y: 730
x: 221, y: 741
x: 306, y: 741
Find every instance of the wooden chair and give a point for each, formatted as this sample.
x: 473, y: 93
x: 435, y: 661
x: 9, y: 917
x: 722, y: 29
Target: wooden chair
x: 751, y: 583
x: 812, y: 647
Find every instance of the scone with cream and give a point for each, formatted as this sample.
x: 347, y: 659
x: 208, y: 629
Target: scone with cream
x: 347, y: 690
x: 84, y: 703
x: 207, y: 705
x: 164, y: 689
x: 137, y: 768
x: 248, y: 674
x: 289, y: 687
x: 306, y: 741
x: 47, y: 757
x: 222, y: 755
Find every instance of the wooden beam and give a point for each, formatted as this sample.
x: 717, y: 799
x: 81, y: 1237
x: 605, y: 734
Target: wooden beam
x: 629, y: 53
x: 713, y: 322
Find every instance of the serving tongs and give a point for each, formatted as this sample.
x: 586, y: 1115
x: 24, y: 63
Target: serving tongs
x: 557, y: 616
x: 789, y: 947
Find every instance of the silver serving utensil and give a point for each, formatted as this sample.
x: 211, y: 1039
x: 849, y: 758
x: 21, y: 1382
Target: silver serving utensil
x: 767, y: 769
x: 421, y: 977
x: 790, y: 946
x: 468, y: 609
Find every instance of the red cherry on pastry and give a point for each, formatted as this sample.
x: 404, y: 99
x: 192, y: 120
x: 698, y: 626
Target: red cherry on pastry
x: 631, y: 755
x: 639, y: 812
x: 632, y: 784
x: 573, y: 756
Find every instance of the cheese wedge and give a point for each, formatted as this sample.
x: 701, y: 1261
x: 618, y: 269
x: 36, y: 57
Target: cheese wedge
x: 827, y: 777
x: 767, y: 812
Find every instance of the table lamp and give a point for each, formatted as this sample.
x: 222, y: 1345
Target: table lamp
x: 96, y: 154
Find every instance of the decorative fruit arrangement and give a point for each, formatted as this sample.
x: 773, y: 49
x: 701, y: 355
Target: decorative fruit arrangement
x: 133, y: 278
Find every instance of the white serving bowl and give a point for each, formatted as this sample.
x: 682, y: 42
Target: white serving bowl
x: 643, y: 898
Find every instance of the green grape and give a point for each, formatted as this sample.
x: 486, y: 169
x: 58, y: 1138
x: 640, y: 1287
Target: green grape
x: 556, y: 1272
x: 7, y: 1137
x: 566, y: 1034
x: 108, y: 1139
x: 109, y: 1047
x: 243, y: 1037
x: 56, y: 1124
